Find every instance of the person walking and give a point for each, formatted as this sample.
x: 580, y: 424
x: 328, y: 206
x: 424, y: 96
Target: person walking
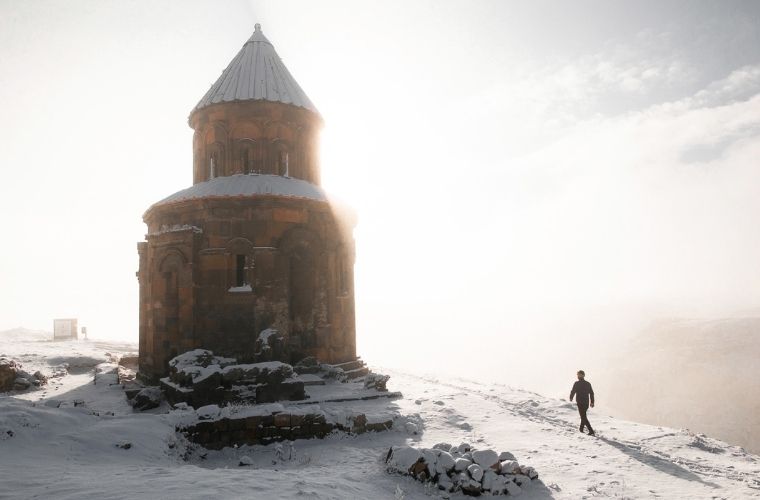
x: 585, y: 393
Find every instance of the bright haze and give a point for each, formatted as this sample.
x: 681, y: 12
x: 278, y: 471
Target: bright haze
x: 534, y: 181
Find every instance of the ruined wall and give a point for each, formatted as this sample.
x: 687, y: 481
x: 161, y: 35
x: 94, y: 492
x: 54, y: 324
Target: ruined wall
x: 266, y: 429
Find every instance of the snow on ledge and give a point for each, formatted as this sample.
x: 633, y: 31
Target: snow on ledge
x: 176, y: 228
x: 242, y: 288
x: 242, y: 185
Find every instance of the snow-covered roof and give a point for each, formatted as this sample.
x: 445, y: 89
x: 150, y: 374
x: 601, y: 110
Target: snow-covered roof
x: 256, y: 73
x: 242, y: 185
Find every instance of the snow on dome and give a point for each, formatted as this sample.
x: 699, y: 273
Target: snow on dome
x: 248, y: 185
x: 256, y: 73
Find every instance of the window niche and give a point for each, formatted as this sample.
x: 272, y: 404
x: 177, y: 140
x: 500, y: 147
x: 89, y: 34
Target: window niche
x: 240, y: 265
x: 250, y: 157
x: 215, y: 161
x: 282, y: 158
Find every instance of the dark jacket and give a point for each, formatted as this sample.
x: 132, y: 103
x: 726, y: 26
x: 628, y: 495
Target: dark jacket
x: 583, y: 389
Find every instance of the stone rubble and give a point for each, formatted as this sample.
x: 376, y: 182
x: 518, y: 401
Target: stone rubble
x: 461, y: 468
x: 147, y: 399
x: 14, y: 378
x: 200, y: 378
x: 216, y: 428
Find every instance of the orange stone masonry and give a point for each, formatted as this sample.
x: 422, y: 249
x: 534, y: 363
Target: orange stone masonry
x: 254, y: 243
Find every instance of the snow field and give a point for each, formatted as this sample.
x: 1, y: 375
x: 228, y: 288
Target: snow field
x: 78, y: 439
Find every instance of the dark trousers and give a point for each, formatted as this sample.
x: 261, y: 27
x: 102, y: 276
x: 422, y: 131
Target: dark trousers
x: 582, y: 409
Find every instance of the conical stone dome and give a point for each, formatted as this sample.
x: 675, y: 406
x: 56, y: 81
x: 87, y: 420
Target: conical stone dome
x: 256, y: 73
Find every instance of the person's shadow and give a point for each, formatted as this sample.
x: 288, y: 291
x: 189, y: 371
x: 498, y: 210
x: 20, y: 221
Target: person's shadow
x: 658, y: 463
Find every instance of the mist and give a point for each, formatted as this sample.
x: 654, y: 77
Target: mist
x: 535, y: 183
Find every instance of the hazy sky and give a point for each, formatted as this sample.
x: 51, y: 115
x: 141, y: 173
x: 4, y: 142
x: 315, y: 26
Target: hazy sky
x: 522, y: 171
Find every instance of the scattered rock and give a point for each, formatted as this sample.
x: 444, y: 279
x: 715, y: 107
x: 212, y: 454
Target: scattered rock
x: 40, y: 378
x: 8, y: 373
x: 509, y: 467
x: 461, y: 464
x: 489, y: 476
x: 419, y: 470
x: 464, y: 448
x: 21, y: 384
x: 411, y: 428
x: 529, y: 471
x: 124, y: 445
x: 245, y: 461
x: 476, y: 472
x: 376, y: 381
x: 512, y: 488
x: 147, y: 398
x: 445, y: 462
x: 208, y: 412
x: 402, y: 458
x: 486, y: 458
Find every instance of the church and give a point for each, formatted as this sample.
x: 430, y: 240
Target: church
x: 254, y: 245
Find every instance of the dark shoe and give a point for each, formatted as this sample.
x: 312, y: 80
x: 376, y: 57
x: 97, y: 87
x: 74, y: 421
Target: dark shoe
x: 581, y: 428
x: 591, y: 433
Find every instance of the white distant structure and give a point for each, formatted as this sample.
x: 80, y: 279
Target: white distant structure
x: 64, y: 329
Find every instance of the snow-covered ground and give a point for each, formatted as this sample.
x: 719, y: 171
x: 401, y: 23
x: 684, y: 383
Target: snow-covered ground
x: 78, y: 438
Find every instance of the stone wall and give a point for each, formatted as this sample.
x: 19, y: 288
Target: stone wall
x: 248, y: 136
x: 266, y: 429
x: 186, y: 275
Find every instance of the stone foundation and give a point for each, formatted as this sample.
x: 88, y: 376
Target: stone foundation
x: 266, y: 429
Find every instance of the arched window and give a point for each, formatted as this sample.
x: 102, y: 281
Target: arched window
x: 240, y: 270
x: 250, y: 157
x: 281, y: 158
x: 282, y: 163
x: 215, y: 160
x: 246, y: 162
x: 212, y: 166
x: 241, y: 264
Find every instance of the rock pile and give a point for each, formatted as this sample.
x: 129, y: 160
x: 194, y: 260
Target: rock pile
x: 199, y: 378
x: 13, y: 377
x: 462, y: 468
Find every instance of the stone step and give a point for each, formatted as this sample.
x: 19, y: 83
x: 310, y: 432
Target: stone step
x: 309, y: 379
x: 342, y: 399
x: 350, y: 365
x: 358, y: 372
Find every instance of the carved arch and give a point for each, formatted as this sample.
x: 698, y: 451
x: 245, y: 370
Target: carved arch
x: 282, y: 157
x: 173, y: 259
x: 249, y: 156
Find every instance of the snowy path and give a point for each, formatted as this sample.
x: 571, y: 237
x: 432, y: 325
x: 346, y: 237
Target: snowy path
x: 65, y: 450
x: 625, y: 460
